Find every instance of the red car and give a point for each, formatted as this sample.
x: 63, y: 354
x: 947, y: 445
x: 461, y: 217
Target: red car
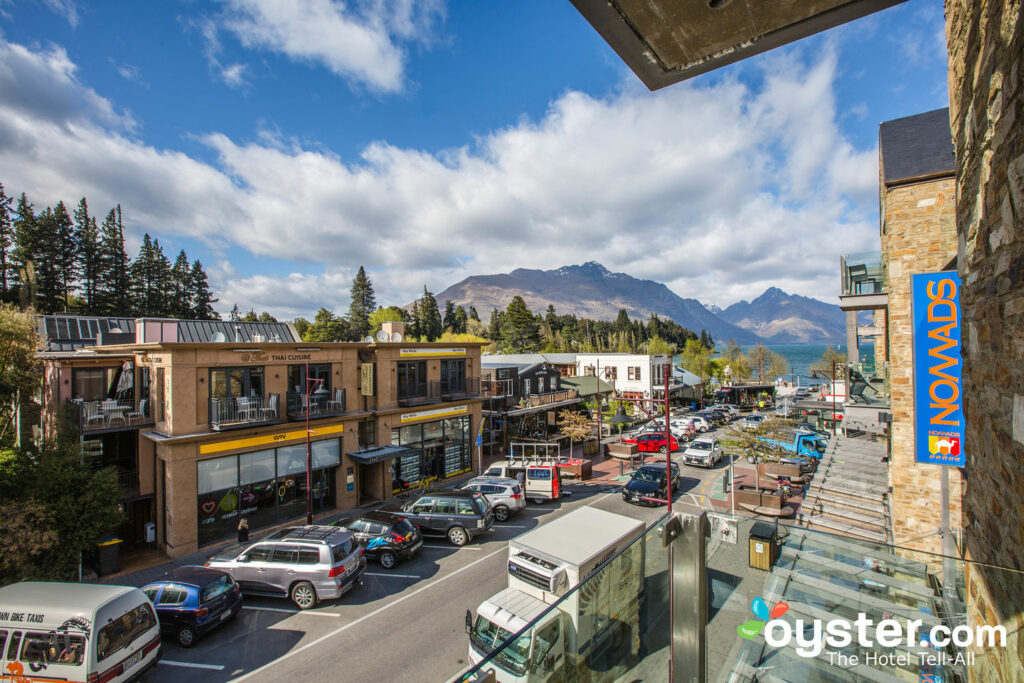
x: 648, y: 443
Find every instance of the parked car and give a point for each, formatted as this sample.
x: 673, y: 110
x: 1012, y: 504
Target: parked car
x: 714, y: 416
x: 458, y: 515
x: 802, y: 392
x: 700, y: 422
x: 307, y: 564
x: 505, y: 495
x: 649, y: 481
x: 753, y: 421
x: 705, y: 451
x: 192, y: 601
x: 385, y: 536
x: 653, y: 442
x: 731, y: 408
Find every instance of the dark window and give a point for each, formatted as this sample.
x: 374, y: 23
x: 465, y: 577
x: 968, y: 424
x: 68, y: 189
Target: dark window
x: 94, y: 384
x: 412, y: 379
x: 340, y: 552
x: 453, y: 375
x: 151, y: 592
x: 423, y: 505
x: 12, y: 650
x: 297, y: 377
x: 445, y: 506
x: 403, y: 527
x: 367, y: 433
x: 122, y: 632
x: 173, y: 595
x: 309, y: 556
x: 465, y: 507
x: 216, y: 589
x: 285, y: 554
x: 260, y: 553
x: 538, y: 474
x: 236, y: 382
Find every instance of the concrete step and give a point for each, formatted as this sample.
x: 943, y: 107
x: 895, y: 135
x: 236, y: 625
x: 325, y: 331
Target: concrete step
x: 845, y: 503
x: 834, y: 525
x: 815, y: 509
x: 850, y: 489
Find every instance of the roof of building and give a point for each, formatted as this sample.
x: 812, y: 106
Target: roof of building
x: 587, y: 385
x: 685, y: 376
x: 506, y: 359
x: 65, y: 333
x: 914, y: 147
x: 206, y: 331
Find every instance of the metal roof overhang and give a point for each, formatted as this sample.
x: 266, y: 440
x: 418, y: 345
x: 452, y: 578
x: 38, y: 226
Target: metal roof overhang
x: 369, y: 456
x: 667, y: 41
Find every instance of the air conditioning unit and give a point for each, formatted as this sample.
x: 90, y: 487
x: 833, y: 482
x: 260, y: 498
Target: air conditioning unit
x: 538, y: 572
x: 258, y: 338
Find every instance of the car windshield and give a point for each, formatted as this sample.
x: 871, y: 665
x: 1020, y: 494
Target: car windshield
x: 488, y: 635
x: 216, y: 589
x: 644, y: 474
x: 819, y: 445
x: 701, y: 445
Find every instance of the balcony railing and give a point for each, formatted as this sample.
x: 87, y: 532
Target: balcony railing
x: 453, y: 391
x: 496, y: 388
x: 547, y: 399
x: 862, y: 274
x: 320, y: 404
x: 429, y: 392
x: 235, y: 412
x: 111, y: 415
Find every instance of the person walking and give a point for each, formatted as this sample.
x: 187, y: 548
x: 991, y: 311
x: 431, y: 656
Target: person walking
x: 243, y: 531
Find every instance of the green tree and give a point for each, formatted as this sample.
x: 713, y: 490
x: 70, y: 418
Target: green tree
x: 151, y: 280
x: 448, y: 320
x: 362, y: 305
x: 757, y: 445
x: 41, y: 235
x: 657, y: 346
x: 460, y: 320
x: 520, y: 332
x: 181, y: 274
x: 301, y: 325
x: 736, y: 361
x: 326, y: 327
x: 250, y: 317
x: 25, y: 252
x: 766, y: 364
x: 823, y: 366
x: 266, y: 318
x: 382, y: 315
x: 90, y: 266
x: 413, y: 327
x: 66, y: 252
x: 430, y: 317
x: 235, y: 315
x: 19, y: 369
x: 113, y: 289
x: 7, y: 276
x: 200, y: 297
x: 473, y: 315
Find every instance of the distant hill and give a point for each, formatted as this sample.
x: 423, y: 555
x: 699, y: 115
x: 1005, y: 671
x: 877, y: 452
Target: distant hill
x: 782, y: 318
x: 592, y: 291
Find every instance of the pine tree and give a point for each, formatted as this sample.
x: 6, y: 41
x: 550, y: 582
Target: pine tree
x: 66, y: 252
x: 494, y: 326
x: 473, y: 315
x: 250, y: 317
x: 448, y: 321
x: 266, y: 318
x: 43, y: 243
x: 362, y: 305
x: 181, y: 281
x: 6, y: 247
x: 519, y: 330
x: 430, y: 317
x: 24, y: 254
x: 413, y: 327
x: 87, y: 233
x: 200, y: 298
x: 151, y: 280
x: 113, y: 288
x: 235, y: 315
x: 461, y: 321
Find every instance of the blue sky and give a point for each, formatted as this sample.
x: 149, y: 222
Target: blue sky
x: 286, y: 144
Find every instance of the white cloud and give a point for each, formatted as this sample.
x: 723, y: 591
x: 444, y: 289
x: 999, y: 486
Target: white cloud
x: 717, y: 190
x: 358, y: 41
x: 66, y: 8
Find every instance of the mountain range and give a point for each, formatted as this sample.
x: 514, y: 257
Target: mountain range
x: 590, y: 290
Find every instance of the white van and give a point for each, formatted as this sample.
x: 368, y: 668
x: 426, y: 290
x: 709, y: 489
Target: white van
x: 76, y: 632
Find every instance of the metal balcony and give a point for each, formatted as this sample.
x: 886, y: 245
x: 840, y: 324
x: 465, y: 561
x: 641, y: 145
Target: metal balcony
x: 236, y: 412
x: 320, y: 404
x: 111, y: 415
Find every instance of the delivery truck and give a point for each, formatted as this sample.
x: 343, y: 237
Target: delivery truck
x: 591, y: 633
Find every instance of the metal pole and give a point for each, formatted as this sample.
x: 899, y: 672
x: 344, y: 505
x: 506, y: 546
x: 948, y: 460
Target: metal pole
x: 833, y: 397
x: 668, y: 494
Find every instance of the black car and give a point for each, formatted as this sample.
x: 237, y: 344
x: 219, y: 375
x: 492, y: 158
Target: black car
x: 648, y: 481
x: 460, y: 515
x: 191, y: 601
x: 385, y: 536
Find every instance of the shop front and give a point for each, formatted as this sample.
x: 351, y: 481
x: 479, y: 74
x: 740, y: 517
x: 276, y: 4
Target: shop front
x: 265, y: 487
x: 434, y: 448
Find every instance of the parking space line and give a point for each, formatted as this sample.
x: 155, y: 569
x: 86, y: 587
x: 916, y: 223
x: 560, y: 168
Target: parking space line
x: 306, y: 613
x: 446, y: 547
x: 397, y: 576
x: 192, y: 665
x: 514, y: 526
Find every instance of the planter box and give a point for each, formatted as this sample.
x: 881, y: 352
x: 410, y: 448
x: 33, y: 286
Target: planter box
x: 622, y: 450
x: 774, y: 470
x: 763, y: 498
x: 579, y: 469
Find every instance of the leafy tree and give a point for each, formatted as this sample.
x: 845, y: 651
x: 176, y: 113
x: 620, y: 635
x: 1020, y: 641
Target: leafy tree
x: 7, y: 276
x: 19, y: 369
x: 473, y: 315
x: 430, y: 317
x: 326, y: 327
x: 448, y: 320
x: 266, y: 318
x: 29, y: 533
x: 823, y: 366
x: 200, y: 297
x: 766, y: 364
x: 383, y: 315
x: 757, y: 445
x: 362, y: 305
x: 576, y: 425
x: 301, y: 326
x: 460, y: 320
x: 113, y: 287
x: 736, y: 361
x: 181, y: 274
x: 250, y: 317
x: 519, y: 329
x: 657, y: 345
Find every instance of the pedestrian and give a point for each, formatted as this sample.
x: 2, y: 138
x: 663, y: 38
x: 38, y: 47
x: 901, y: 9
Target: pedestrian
x: 243, y: 531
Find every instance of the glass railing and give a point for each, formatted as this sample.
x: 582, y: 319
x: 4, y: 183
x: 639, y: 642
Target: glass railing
x: 785, y: 603
x: 317, y: 404
x: 862, y: 273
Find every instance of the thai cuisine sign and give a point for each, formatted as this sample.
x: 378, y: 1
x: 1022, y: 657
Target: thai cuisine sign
x: 938, y: 385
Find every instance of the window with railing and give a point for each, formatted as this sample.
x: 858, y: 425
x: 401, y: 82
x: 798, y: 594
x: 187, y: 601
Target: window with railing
x: 453, y: 376
x: 862, y: 273
x: 412, y: 379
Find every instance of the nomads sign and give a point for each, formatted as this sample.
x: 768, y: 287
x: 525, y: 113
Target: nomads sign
x: 938, y: 385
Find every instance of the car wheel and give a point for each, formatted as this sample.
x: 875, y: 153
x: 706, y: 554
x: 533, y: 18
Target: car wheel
x: 501, y: 513
x: 457, y: 536
x: 304, y: 595
x: 663, y: 450
x: 388, y: 559
x: 752, y: 460
x: 187, y: 636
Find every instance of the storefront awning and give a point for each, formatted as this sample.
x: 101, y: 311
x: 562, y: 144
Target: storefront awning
x: 368, y: 456
x: 587, y: 385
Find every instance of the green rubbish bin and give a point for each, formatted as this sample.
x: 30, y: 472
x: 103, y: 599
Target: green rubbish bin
x: 764, y: 549
x: 108, y: 556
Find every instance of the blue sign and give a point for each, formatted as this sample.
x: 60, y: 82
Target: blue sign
x: 938, y: 385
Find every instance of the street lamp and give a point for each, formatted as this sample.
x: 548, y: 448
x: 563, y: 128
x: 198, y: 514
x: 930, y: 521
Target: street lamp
x: 311, y: 385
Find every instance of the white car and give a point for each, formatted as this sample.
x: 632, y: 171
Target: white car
x: 705, y: 452
x: 753, y: 421
x: 700, y: 423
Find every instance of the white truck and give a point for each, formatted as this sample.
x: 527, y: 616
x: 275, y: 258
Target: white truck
x: 591, y: 634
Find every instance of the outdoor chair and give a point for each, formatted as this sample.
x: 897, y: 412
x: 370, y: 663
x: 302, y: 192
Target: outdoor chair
x: 92, y: 412
x: 269, y: 412
x: 139, y: 414
x: 338, y: 402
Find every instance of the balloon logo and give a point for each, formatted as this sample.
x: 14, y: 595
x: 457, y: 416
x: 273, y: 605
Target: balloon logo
x: 229, y: 502
x: 759, y: 607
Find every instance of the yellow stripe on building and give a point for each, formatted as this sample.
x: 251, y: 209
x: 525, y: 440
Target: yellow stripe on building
x: 424, y: 353
x: 406, y: 418
x: 268, y: 440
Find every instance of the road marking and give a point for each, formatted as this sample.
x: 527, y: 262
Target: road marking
x: 397, y: 576
x: 446, y: 547
x: 377, y: 611
x: 515, y: 526
x: 192, y: 665
x: 291, y: 611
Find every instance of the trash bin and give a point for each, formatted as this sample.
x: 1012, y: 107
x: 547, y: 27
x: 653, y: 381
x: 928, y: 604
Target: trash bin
x: 107, y: 556
x: 150, y: 532
x: 763, y: 547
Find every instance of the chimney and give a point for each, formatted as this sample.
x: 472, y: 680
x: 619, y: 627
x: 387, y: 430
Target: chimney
x: 392, y: 326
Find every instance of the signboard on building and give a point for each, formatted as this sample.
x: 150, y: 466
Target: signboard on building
x: 366, y: 387
x: 938, y: 386
x: 436, y: 414
x: 431, y: 352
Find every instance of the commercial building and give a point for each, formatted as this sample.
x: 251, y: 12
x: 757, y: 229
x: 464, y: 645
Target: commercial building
x: 211, y: 430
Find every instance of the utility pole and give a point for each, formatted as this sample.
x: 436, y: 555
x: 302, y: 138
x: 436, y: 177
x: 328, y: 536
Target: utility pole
x: 309, y: 451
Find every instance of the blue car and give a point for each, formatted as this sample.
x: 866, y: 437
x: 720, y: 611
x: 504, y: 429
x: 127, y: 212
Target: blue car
x: 191, y: 601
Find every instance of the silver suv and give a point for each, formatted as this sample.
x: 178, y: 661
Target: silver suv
x: 305, y: 563
x: 504, y: 494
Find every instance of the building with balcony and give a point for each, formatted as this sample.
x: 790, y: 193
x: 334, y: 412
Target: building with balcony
x: 207, y: 419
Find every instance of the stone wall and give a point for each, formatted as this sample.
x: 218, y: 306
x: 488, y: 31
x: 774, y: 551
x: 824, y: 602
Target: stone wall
x: 918, y: 236
x: 986, y: 50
